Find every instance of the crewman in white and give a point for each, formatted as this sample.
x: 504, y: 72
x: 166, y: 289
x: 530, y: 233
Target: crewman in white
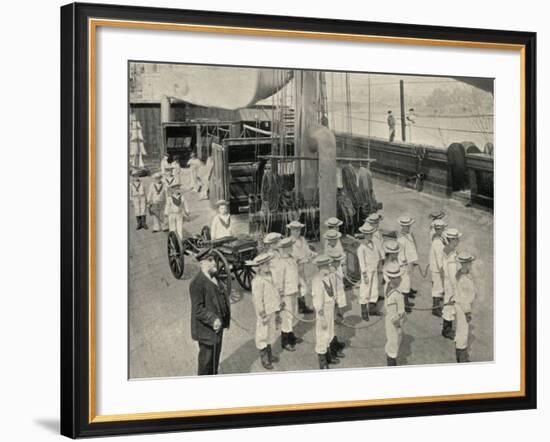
x: 156, y: 199
x: 221, y: 224
x: 170, y: 179
x: 375, y: 219
x: 303, y: 255
x: 287, y: 280
x: 336, y: 346
x: 267, y: 304
x: 408, y: 257
x: 450, y: 269
x: 333, y: 224
x: 333, y: 242
x: 139, y: 201
x: 176, y: 210
x: 435, y: 215
x: 436, y: 265
x: 324, y: 297
x: 164, y: 163
x: 369, y: 258
x: 195, y: 166
x: 395, y: 311
x: 465, y: 296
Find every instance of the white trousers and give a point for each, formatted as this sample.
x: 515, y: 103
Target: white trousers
x: 394, y: 335
x: 287, y: 320
x: 302, y: 279
x: 462, y: 328
x: 175, y: 224
x: 266, y: 331
x: 405, y: 286
x: 324, y: 329
x: 368, y: 292
x: 437, y: 285
x: 139, y: 206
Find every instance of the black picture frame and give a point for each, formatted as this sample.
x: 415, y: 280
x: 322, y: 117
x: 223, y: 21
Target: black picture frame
x: 75, y: 220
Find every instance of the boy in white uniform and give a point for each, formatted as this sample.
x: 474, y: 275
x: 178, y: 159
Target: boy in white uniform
x: 336, y: 346
x: 221, y: 224
x: 324, y: 296
x: 176, y: 210
x: 287, y: 280
x: 156, y: 199
x: 170, y: 179
x: 375, y: 219
x: 195, y: 166
x: 369, y: 259
x: 164, y: 163
x: 450, y: 269
x: 267, y: 304
x: 465, y: 296
x: 395, y: 311
x: 303, y: 255
x: 436, y: 265
x: 139, y: 201
x: 333, y: 224
x: 408, y: 257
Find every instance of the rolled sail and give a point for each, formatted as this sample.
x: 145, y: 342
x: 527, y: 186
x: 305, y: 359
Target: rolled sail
x: 217, y: 86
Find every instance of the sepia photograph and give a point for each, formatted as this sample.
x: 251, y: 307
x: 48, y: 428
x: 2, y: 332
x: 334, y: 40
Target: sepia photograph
x: 290, y: 220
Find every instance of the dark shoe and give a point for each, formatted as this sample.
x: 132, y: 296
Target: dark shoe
x: 447, y: 330
x: 373, y: 310
x: 340, y: 344
x: 270, y: 354
x: 138, y: 222
x: 331, y: 359
x: 335, y: 350
x: 462, y: 355
x: 323, y: 364
x: 285, y: 342
x: 264, y: 357
x: 436, y: 309
x: 144, y: 223
x: 302, y: 307
x: 391, y: 362
x: 293, y: 339
x: 364, y: 312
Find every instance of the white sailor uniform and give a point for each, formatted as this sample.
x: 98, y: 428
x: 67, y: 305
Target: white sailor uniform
x: 450, y: 269
x: 303, y: 255
x: 156, y: 198
x: 323, y: 289
x: 176, y: 211
x: 369, y: 257
x: 221, y: 226
x: 464, y: 298
x: 286, y: 277
x: 138, y: 197
x: 394, y: 319
x: 436, y: 265
x: 267, y: 301
x: 408, y: 256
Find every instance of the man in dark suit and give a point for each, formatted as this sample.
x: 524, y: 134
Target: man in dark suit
x: 210, y: 314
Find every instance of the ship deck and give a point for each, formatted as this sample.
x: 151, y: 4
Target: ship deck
x: 160, y: 344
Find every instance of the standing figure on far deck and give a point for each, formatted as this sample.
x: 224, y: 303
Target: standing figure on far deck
x: 267, y: 304
x: 176, y: 210
x: 436, y: 265
x: 287, y: 279
x: 369, y: 259
x: 164, y: 163
x: 324, y: 297
x: 465, y: 295
x: 411, y: 121
x: 221, y: 224
x: 408, y: 257
x: 139, y: 201
x: 195, y: 166
x: 395, y: 311
x: 450, y: 269
x: 303, y: 255
x: 391, y: 125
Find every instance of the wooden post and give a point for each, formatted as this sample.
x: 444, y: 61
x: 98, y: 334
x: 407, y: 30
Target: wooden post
x: 402, y: 100
x: 164, y: 118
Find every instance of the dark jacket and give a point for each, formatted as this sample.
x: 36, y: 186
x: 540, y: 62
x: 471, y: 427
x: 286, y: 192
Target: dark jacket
x: 208, y: 303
